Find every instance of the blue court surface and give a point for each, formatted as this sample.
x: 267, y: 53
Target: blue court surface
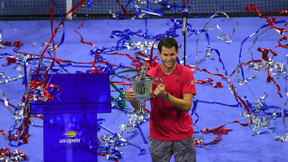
x: 219, y: 45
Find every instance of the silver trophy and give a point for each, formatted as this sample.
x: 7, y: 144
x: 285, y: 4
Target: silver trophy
x: 141, y: 84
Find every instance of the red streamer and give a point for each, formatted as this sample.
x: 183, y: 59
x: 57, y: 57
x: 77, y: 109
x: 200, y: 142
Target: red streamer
x: 271, y: 21
x: 14, y: 156
x: 265, y: 53
x: 123, y: 9
x: 104, y: 154
x: 209, y: 80
x: 16, y: 44
x: 82, y: 40
x: 219, y: 132
x: 269, y: 79
x: 54, y: 34
x: 11, y: 60
x: 152, y: 62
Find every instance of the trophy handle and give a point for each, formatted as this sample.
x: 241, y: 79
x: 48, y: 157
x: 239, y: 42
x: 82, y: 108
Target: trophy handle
x: 128, y: 78
x: 157, y: 81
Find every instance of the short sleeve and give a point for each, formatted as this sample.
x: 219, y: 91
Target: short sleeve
x: 189, y: 82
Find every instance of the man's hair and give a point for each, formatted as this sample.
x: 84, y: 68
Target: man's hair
x: 167, y: 42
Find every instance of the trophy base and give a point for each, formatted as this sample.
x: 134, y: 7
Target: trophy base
x: 141, y: 108
x: 142, y: 112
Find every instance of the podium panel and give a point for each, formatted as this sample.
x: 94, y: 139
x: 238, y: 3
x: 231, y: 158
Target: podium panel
x: 70, y: 137
x: 70, y: 120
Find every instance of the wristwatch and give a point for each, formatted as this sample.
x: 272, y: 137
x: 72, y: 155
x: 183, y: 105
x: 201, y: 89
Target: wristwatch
x: 165, y: 97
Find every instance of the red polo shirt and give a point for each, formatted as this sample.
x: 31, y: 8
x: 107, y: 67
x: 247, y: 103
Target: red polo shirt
x: 167, y: 122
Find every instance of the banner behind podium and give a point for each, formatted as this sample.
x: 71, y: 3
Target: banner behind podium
x: 70, y: 120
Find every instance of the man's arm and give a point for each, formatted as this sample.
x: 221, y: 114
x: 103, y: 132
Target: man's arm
x: 183, y: 104
x: 130, y: 96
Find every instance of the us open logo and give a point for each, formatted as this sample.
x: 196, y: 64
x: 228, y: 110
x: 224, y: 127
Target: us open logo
x: 70, y: 140
x: 70, y: 134
x: 192, y: 81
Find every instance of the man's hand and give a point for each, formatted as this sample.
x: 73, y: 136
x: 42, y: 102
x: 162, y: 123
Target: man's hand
x: 160, y: 90
x: 129, y: 95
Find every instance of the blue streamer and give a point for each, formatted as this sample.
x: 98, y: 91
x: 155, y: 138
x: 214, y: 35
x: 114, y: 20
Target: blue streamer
x: 90, y: 3
x: 62, y: 18
x: 195, y: 104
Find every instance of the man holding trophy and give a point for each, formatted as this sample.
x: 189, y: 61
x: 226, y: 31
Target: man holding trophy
x: 171, y: 126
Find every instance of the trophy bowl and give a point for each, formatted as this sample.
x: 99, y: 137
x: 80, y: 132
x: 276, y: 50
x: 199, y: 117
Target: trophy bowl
x: 142, y: 84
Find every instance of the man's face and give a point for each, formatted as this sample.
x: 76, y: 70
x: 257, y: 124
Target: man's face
x: 168, y: 56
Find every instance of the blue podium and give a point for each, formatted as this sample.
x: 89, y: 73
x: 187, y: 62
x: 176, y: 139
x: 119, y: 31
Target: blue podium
x: 70, y: 120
